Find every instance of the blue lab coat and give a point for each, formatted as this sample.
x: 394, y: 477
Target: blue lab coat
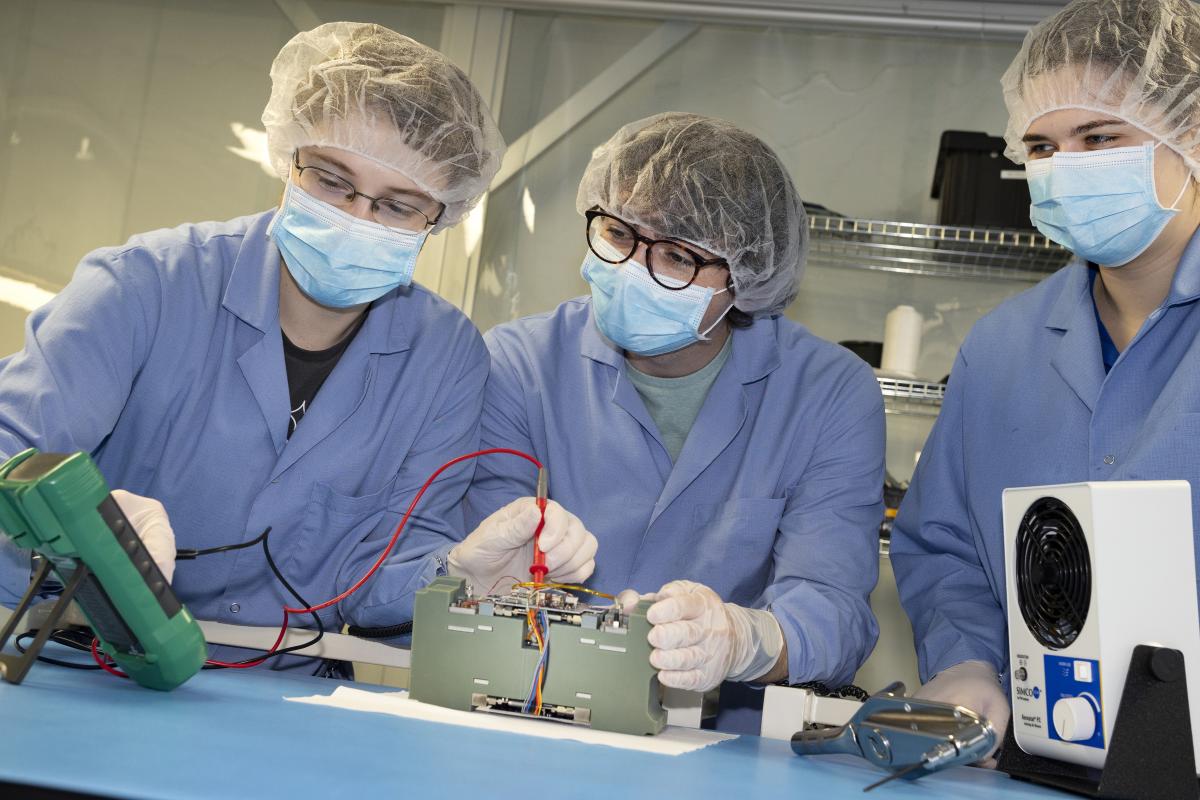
x: 1029, y: 404
x: 775, y: 501
x: 163, y: 359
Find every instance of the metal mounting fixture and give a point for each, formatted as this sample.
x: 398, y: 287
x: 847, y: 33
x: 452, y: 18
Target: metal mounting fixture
x: 935, y: 250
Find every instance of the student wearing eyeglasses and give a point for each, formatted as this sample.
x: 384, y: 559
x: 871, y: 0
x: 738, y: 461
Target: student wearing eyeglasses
x: 728, y: 462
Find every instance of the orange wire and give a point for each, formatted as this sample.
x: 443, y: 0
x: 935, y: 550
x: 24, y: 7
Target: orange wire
x: 537, y: 635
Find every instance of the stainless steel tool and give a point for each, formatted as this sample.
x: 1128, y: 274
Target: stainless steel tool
x: 904, y: 735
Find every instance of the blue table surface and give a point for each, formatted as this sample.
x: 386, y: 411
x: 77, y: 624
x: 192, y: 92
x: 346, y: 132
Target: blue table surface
x: 227, y: 734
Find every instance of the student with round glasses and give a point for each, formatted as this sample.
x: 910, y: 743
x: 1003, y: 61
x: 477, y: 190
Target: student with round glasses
x: 728, y: 462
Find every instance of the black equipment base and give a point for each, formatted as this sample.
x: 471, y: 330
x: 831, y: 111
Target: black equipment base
x: 1150, y: 756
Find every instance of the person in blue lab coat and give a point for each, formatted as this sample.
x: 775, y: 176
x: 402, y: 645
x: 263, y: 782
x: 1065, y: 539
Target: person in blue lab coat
x: 1094, y: 374
x: 282, y: 369
x: 729, y: 462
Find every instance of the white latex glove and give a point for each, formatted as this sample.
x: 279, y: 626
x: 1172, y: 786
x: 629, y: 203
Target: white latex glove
x: 502, y: 546
x: 700, y: 641
x: 973, y: 685
x: 149, y: 519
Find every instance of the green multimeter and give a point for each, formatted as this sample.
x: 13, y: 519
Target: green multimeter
x: 59, y: 506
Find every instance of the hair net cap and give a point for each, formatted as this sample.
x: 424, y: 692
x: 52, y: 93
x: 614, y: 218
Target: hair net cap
x: 367, y: 89
x: 707, y: 182
x: 1134, y: 59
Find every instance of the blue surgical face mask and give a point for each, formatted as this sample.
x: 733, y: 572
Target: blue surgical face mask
x: 640, y: 316
x: 338, y: 259
x: 1100, y: 205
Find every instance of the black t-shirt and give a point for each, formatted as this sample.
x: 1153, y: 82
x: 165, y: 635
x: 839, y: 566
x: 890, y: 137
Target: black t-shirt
x: 308, y: 369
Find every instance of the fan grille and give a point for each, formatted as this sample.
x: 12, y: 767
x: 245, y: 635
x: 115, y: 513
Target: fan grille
x: 1054, y: 576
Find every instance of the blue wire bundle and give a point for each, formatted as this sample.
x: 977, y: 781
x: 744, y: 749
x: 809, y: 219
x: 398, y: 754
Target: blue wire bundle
x: 539, y: 671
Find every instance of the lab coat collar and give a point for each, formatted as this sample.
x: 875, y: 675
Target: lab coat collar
x: 721, y: 418
x: 1076, y: 357
x: 1076, y: 283
x: 725, y: 411
x: 597, y: 347
x: 346, y: 388
x: 1185, y: 287
x: 755, y: 349
x: 252, y: 294
x: 390, y: 332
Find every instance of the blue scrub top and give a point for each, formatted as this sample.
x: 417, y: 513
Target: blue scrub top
x: 1028, y: 404
x: 775, y: 500
x: 163, y: 359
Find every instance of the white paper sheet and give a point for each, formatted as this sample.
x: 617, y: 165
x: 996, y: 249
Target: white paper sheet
x: 671, y: 742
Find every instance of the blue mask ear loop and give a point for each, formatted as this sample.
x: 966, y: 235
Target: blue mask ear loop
x: 1187, y: 181
x: 704, y: 334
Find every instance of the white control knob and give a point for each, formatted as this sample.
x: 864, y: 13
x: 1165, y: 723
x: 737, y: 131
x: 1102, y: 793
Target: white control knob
x: 1074, y: 719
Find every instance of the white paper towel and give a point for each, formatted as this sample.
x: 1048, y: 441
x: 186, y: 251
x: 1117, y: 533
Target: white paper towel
x: 671, y: 742
x: 902, y: 341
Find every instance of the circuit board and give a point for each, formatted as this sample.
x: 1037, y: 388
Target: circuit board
x: 535, y: 651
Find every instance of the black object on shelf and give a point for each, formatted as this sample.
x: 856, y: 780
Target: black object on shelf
x: 818, y: 210
x: 893, y: 491
x: 976, y: 185
x: 1150, y: 756
x: 870, y: 352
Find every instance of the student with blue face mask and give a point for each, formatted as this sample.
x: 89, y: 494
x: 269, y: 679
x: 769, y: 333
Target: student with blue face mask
x: 728, y: 461
x: 1092, y: 375
x: 282, y: 369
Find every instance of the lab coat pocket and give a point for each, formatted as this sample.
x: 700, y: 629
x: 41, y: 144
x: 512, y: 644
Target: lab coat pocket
x: 335, y: 523
x: 732, y: 552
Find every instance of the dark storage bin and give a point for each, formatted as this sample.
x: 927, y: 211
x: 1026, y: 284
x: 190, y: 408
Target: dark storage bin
x: 976, y: 185
x: 870, y: 352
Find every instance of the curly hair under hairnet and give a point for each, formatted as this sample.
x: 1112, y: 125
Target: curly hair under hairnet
x: 708, y: 182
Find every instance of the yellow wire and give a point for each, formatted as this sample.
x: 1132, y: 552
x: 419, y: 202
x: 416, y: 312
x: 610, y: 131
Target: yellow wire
x: 570, y: 587
x: 529, y: 615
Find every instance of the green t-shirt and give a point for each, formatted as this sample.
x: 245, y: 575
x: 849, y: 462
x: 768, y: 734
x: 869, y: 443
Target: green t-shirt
x: 674, y: 403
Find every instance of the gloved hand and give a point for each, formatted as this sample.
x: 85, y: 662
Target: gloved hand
x: 974, y: 685
x: 149, y: 519
x: 502, y: 546
x: 700, y: 641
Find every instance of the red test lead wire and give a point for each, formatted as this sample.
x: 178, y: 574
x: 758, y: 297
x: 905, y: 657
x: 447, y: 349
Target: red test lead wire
x: 539, y: 569
x: 411, y: 506
x: 287, y: 610
x: 102, y: 660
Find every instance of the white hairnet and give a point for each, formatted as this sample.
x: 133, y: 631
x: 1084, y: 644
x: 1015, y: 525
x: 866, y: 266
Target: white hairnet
x: 705, y: 181
x: 1135, y: 59
x: 369, y: 90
